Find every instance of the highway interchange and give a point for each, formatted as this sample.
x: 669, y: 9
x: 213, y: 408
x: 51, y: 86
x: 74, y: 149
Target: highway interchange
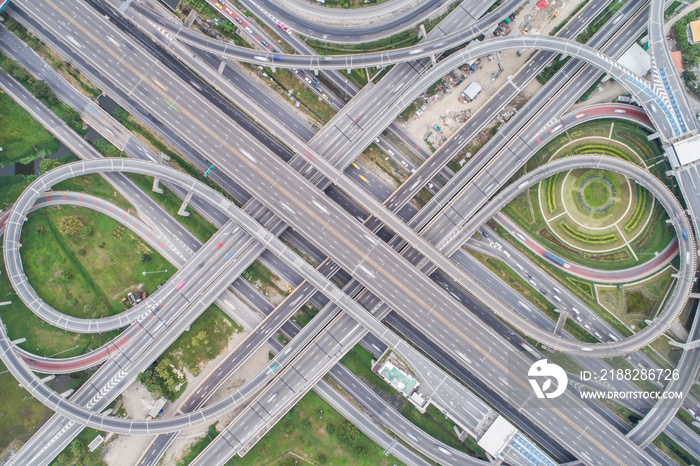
x: 309, y: 214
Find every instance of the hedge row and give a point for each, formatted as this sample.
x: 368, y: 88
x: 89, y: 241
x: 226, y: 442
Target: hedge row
x: 602, y: 149
x: 586, y: 238
x: 638, y: 213
x: 552, y: 184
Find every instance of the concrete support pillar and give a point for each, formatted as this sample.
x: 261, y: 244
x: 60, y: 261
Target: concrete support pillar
x: 19, y: 341
x: 388, y: 451
x: 315, y: 72
x: 67, y: 393
x: 184, y: 205
x: 48, y: 378
x: 156, y: 189
x: 222, y: 65
x: 422, y: 32
x: 162, y: 156
x: 274, y: 69
x: 560, y: 322
x: 653, y: 136
x: 433, y: 59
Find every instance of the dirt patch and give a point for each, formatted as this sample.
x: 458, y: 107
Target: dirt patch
x: 127, y: 449
x: 187, y: 437
x: 446, y: 114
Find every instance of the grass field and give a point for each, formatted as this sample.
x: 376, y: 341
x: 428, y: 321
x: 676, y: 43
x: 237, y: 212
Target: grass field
x: 305, y: 436
x: 266, y: 282
x: 206, y: 339
x: 435, y: 424
x: 635, y: 303
x: 42, y: 339
x: 22, y: 138
x: 596, y: 194
x: 20, y: 415
x: 673, y: 450
x: 11, y: 187
x: 87, y: 276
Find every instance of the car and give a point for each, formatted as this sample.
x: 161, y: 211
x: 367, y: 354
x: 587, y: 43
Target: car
x: 239, y: 20
x: 324, y: 96
x: 403, y: 162
x: 248, y: 30
x: 264, y: 42
x: 376, y: 140
x: 431, y: 185
x: 529, y: 275
x: 308, y: 81
x: 543, y: 291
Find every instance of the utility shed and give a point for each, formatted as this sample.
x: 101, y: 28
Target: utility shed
x: 472, y: 90
x: 497, y: 436
x: 636, y: 59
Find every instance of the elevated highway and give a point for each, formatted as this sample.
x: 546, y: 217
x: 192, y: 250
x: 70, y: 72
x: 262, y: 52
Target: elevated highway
x: 66, y: 408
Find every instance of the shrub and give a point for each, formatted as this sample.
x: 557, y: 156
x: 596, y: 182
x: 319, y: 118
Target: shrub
x: 70, y: 225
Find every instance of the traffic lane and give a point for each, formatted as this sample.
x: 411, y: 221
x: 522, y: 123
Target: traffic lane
x: 607, y: 276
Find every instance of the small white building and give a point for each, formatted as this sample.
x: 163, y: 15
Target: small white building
x: 497, y: 436
x: 472, y: 90
x: 688, y: 150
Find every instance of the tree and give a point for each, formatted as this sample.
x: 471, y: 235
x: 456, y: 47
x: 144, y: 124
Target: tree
x: 65, y: 275
x: 10, y: 67
x: 348, y: 434
x: 146, y: 258
x: 85, y: 231
x: 70, y: 225
x: 48, y: 164
x: 76, y: 447
x: 42, y: 90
